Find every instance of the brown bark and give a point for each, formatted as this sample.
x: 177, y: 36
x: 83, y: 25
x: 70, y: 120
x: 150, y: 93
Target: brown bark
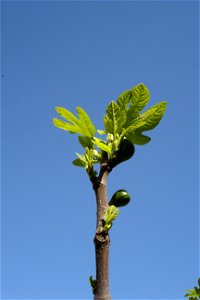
x: 101, y: 240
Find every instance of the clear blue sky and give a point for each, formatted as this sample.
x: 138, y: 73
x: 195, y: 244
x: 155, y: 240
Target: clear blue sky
x: 87, y: 53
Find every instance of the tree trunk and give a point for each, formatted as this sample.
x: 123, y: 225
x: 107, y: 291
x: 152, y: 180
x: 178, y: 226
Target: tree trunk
x: 101, y: 240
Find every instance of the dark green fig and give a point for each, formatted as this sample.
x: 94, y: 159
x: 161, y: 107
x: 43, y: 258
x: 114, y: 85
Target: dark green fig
x: 120, y: 198
x: 125, y: 152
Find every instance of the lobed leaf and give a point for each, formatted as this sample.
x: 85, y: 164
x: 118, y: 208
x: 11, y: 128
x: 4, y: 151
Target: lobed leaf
x: 60, y: 124
x: 137, y: 125
x: 85, y: 122
x: 192, y: 293
x: 114, y: 119
x: 140, y: 97
x: 124, y: 99
x: 144, y: 122
x: 66, y: 114
x: 82, y: 125
x: 153, y: 116
x: 67, y: 126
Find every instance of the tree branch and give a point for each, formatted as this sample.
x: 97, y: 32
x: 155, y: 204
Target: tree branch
x: 101, y: 239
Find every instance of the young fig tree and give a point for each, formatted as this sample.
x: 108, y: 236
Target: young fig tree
x: 124, y: 127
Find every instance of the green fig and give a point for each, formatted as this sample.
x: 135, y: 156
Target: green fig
x: 125, y: 152
x: 120, y: 198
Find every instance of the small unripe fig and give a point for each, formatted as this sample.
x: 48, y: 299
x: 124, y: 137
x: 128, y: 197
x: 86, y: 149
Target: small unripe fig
x: 120, y: 198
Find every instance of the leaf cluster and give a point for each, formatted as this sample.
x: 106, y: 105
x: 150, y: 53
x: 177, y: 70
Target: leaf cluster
x: 123, y: 120
x: 195, y: 293
x: 111, y: 214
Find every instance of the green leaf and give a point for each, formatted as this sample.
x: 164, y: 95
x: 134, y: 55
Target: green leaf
x: 87, y: 160
x: 152, y: 116
x: 66, y: 114
x: 93, y: 283
x: 79, y: 163
x: 60, y: 124
x: 197, y: 290
x: 96, y: 156
x: 143, y: 122
x: 192, y: 293
x: 114, y: 119
x: 102, y: 145
x: 111, y: 213
x: 138, y: 138
x: 101, y: 132
x: 140, y: 97
x: 85, y: 122
x: 124, y: 99
x: 137, y: 125
x: 89, y: 157
x: 82, y: 125
x: 85, y: 142
x: 67, y: 126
